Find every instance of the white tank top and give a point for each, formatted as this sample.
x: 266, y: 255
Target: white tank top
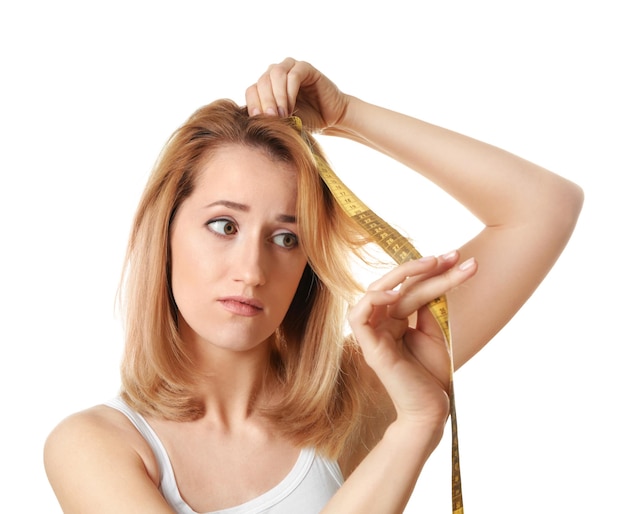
x: 305, y: 490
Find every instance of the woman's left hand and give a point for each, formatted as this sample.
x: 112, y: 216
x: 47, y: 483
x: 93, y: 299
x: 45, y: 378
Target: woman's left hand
x: 410, y: 356
x: 296, y: 87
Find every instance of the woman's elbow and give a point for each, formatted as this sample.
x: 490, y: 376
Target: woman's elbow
x: 567, y: 204
x: 573, y: 199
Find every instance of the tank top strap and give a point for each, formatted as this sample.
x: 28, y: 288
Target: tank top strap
x: 167, y: 480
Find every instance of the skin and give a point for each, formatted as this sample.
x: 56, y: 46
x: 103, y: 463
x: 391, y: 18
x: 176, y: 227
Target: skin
x: 236, y: 262
x: 96, y: 462
x: 236, y: 265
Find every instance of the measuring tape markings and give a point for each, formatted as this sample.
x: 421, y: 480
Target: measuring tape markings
x: 400, y: 250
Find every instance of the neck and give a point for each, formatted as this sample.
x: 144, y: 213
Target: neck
x: 234, y: 383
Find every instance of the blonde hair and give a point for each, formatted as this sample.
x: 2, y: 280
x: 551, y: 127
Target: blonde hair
x: 318, y: 368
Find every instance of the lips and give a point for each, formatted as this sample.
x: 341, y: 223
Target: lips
x: 242, y: 306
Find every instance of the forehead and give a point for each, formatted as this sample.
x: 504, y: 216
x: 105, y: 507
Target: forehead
x: 245, y: 170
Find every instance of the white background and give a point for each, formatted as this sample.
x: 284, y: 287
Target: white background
x: 89, y: 92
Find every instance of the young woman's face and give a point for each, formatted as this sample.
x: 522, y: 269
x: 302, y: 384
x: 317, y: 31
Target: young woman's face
x: 236, y: 262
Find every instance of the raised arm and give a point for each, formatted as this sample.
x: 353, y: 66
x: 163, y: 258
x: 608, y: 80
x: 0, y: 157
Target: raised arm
x: 528, y: 215
x: 528, y: 212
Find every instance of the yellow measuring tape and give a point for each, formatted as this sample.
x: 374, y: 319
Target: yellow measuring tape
x: 400, y: 250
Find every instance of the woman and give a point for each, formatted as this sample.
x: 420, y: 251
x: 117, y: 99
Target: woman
x: 240, y: 392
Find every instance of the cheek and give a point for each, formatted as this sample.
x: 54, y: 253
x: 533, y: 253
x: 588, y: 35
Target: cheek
x: 187, y: 271
x: 291, y: 280
x: 182, y: 279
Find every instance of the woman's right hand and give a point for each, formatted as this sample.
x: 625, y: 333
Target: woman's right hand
x: 401, y: 340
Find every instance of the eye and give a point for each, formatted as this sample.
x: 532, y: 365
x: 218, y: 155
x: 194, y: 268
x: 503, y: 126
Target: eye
x: 286, y: 240
x: 224, y: 227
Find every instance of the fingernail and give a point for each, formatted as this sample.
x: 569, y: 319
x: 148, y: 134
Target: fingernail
x: 270, y: 111
x: 282, y: 113
x: 467, y: 264
x: 255, y: 111
x: 449, y: 256
x: 427, y: 258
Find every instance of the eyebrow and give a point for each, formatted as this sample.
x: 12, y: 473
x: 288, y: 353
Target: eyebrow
x: 284, y: 218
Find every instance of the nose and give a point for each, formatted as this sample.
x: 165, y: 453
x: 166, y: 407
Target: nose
x: 250, y: 265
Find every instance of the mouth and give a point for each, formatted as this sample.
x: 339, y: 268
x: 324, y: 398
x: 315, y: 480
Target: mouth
x: 242, y: 306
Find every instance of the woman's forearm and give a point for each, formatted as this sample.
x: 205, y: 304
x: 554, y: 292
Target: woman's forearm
x: 385, y: 479
x: 495, y: 185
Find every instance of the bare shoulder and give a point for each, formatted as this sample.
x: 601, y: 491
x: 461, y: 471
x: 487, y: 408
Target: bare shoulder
x: 99, y: 419
x: 96, y: 459
x: 96, y: 429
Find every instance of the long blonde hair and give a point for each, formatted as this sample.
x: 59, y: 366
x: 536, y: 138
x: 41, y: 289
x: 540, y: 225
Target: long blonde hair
x: 318, y: 368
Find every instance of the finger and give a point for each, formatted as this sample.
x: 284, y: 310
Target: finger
x: 300, y: 74
x: 260, y: 95
x: 253, y: 102
x: 294, y: 82
x: 415, y: 295
x: 265, y: 90
x: 278, y: 75
x: 365, y: 328
x: 365, y: 308
x: 396, y: 276
x: 273, y: 89
x: 444, y: 262
x: 287, y: 79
